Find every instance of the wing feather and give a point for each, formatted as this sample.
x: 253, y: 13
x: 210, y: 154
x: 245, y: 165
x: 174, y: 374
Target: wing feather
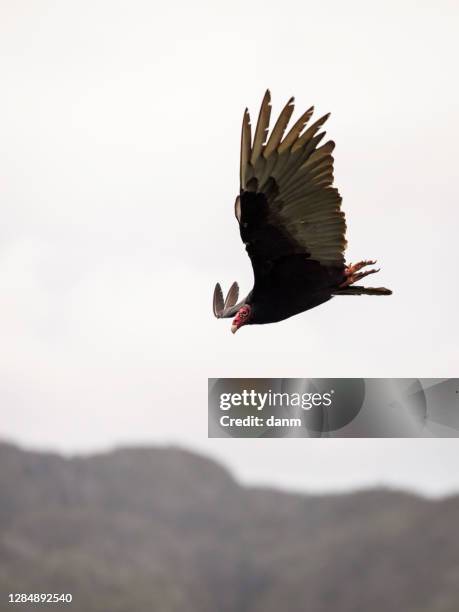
x: 310, y: 132
x: 232, y: 296
x: 296, y: 130
x: 246, y: 146
x: 279, y: 128
x: 218, y: 303
x: 262, y: 128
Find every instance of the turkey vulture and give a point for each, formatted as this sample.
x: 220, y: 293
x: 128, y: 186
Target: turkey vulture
x: 291, y: 223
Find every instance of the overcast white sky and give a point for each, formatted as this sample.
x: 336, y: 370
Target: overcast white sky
x: 120, y: 126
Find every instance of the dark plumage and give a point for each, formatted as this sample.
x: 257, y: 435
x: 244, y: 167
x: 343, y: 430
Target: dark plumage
x: 291, y: 223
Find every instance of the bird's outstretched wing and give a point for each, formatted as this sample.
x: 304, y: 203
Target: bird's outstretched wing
x: 287, y: 204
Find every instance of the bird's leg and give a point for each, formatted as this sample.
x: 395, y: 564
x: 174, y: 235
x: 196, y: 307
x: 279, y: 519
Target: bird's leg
x: 352, y: 273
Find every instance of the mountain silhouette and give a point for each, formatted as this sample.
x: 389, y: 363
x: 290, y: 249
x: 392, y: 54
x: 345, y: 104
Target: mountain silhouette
x: 164, y: 529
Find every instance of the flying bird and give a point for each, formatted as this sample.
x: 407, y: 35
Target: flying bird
x: 291, y: 223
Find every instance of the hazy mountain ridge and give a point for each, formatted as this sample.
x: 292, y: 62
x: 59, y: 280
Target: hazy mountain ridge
x: 165, y: 529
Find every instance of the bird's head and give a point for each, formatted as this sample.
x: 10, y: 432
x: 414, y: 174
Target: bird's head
x: 243, y: 316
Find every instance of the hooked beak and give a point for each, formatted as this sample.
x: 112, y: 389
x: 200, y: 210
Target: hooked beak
x: 234, y: 329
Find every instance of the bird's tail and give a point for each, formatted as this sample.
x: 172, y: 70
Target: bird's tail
x: 359, y: 290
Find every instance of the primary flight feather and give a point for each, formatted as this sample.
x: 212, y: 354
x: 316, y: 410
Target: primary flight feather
x: 291, y: 223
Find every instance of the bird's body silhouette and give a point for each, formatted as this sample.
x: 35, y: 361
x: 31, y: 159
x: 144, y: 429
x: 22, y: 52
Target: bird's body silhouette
x: 291, y: 223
